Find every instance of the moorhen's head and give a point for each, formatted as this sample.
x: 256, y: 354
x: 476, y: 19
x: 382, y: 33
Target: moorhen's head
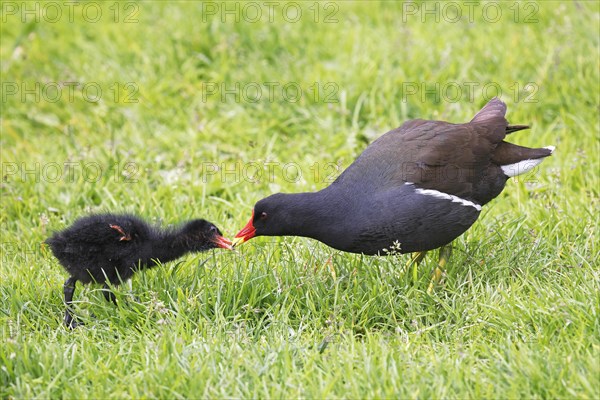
x: 202, y: 235
x: 269, y: 218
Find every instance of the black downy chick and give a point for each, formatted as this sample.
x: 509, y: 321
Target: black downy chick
x: 106, y: 248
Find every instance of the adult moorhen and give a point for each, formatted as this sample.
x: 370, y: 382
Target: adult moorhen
x: 416, y: 188
x: 111, y: 248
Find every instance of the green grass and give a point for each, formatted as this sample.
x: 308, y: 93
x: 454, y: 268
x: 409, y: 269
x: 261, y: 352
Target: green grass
x: 518, y: 314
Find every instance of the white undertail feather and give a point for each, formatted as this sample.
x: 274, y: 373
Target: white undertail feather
x: 524, y: 166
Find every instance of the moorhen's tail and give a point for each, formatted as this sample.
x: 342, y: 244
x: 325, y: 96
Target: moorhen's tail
x: 515, y: 128
x: 494, y: 109
x: 516, y: 160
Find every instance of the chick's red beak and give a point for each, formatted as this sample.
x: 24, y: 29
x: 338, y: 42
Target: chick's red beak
x: 247, y: 232
x: 222, y: 242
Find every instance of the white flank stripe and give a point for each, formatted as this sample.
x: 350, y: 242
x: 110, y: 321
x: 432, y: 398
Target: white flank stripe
x: 446, y: 196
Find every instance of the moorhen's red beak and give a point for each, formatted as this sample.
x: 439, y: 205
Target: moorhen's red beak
x: 247, y: 232
x: 222, y: 242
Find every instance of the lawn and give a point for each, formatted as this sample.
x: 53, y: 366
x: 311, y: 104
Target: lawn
x: 201, y: 109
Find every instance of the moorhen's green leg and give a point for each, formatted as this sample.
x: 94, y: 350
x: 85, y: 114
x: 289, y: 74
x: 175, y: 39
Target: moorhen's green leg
x: 414, y: 261
x: 69, y: 290
x: 445, y: 253
x: 416, y: 258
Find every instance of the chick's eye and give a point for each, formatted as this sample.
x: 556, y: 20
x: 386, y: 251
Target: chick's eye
x: 263, y: 215
x: 213, y: 229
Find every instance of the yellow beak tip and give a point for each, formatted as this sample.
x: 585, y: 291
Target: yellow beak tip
x: 237, y: 241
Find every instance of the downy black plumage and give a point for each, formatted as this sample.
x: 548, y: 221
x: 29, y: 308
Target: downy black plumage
x: 110, y: 248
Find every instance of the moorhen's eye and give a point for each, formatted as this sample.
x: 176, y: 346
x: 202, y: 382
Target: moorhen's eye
x: 213, y: 229
x: 263, y: 215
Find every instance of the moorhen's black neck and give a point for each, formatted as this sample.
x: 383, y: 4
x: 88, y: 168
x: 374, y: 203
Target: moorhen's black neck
x: 170, y: 245
x: 315, y: 215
